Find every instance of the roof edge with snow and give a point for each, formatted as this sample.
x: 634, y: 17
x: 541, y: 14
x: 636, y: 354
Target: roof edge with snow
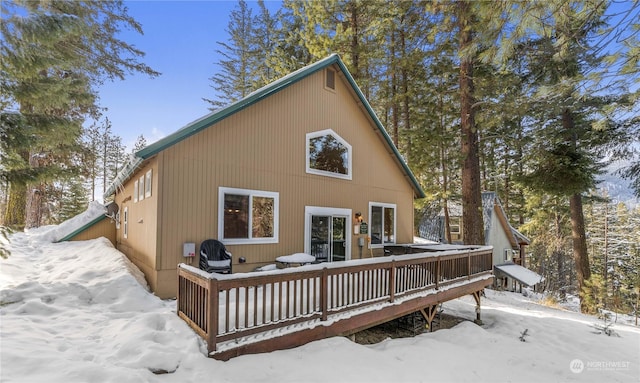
x: 82, y: 228
x: 520, y: 273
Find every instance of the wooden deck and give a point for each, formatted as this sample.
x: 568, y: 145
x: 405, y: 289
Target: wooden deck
x: 265, y: 311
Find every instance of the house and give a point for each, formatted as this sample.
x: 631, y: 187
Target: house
x: 302, y: 165
x: 509, y: 256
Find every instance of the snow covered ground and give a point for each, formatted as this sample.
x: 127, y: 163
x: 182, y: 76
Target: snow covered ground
x: 81, y: 312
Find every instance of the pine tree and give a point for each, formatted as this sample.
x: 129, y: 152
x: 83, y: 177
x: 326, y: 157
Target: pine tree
x: 613, y: 238
x: 14, y: 167
x: 290, y: 53
x: 92, y: 142
x: 140, y: 143
x: 551, y: 244
x: 236, y: 77
x: 116, y: 157
x: 574, y: 129
x: 475, y: 27
x: 627, y: 35
x: 74, y: 200
x: 472, y: 227
x: 53, y: 56
x: 433, y: 154
x: 266, y: 37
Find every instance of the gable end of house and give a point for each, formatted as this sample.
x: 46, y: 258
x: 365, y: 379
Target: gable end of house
x: 266, y: 91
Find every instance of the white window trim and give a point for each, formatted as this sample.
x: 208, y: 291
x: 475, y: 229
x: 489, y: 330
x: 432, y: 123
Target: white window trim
x: 141, y: 188
x: 148, y: 183
x: 508, y: 255
x: 395, y: 224
x: 310, y: 211
x: 251, y: 193
x: 125, y: 224
x: 135, y: 191
x: 458, y: 223
x: 335, y: 135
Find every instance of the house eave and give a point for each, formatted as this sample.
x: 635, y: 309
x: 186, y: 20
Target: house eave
x: 123, y: 176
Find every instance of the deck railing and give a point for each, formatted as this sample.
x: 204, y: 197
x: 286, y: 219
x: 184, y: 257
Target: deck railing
x: 226, y: 307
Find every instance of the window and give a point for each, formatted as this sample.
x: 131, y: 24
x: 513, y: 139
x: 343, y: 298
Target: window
x: 454, y: 225
x: 135, y: 191
x: 147, y: 184
x: 125, y: 225
x: 247, y: 216
x: 328, y: 155
x: 382, y: 228
x: 330, y: 79
x: 508, y: 255
x: 141, y: 188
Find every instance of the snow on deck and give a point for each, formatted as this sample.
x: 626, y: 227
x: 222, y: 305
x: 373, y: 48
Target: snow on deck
x: 336, y: 317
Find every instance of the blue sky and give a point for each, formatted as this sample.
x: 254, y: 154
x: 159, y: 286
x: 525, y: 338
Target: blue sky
x: 180, y: 42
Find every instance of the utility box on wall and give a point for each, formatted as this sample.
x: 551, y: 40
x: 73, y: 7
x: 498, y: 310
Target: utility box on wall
x: 189, y: 249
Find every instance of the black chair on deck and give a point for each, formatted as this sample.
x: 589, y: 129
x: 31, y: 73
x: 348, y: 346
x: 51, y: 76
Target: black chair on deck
x: 214, y: 257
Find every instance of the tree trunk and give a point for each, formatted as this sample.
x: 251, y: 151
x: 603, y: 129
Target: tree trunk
x: 355, y: 46
x: 406, y: 112
x: 560, y: 283
x: 445, y: 171
x: 34, y: 207
x: 472, y: 224
x: 394, y: 90
x: 14, y: 215
x: 35, y: 193
x: 606, y: 253
x: 580, y: 256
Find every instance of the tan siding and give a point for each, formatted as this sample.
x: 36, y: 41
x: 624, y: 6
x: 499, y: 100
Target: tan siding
x: 105, y: 228
x: 262, y: 148
x: 140, y: 246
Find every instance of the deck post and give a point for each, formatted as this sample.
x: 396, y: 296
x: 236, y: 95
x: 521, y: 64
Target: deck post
x: 476, y: 296
x: 438, y: 273
x: 324, y: 293
x: 179, y: 294
x: 212, y: 315
x: 392, y: 281
x: 468, y: 265
x: 429, y: 315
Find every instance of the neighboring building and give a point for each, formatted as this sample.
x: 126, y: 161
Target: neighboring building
x: 509, y: 255
x: 288, y: 169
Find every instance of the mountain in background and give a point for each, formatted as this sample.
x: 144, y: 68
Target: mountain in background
x: 617, y: 188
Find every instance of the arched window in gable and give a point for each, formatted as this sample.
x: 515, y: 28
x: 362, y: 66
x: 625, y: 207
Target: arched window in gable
x: 328, y: 154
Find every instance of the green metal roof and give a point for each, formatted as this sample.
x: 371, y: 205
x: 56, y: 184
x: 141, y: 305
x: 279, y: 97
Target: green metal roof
x: 82, y: 228
x: 264, y: 92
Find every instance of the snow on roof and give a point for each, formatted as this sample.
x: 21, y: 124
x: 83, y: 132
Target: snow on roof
x: 520, y: 273
x: 55, y: 233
